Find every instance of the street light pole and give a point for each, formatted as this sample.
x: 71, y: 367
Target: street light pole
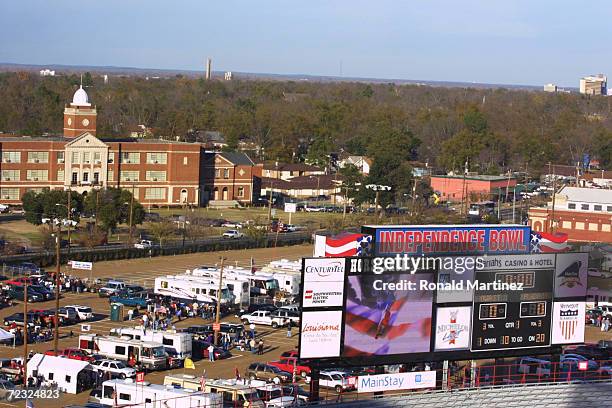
x: 58, y: 239
x: 25, y: 332
x: 131, y: 215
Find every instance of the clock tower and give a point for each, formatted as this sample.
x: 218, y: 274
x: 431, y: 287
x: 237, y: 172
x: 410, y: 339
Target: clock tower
x: 79, y: 116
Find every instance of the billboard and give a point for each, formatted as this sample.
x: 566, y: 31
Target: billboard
x: 568, y: 322
x: 396, y: 382
x: 450, y: 239
x: 323, y: 294
x: 324, y: 270
x: 320, y: 334
x: 453, y: 328
x: 571, y: 275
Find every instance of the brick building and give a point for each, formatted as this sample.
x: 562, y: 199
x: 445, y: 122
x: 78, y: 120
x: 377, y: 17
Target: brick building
x: 159, y: 172
x: 457, y: 188
x: 585, y: 214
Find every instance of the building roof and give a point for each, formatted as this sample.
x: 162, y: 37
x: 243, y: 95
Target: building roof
x: 237, y: 158
x: 323, y: 181
x: 479, y: 177
x: 560, y: 170
x: 587, y: 195
x: 80, y: 98
x: 42, y: 361
x: 291, y: 167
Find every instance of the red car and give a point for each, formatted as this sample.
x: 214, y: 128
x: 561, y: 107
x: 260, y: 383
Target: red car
x: 20, y: 281
x: 290, y: 353
x: 71, y: 353
x: 289, y: 363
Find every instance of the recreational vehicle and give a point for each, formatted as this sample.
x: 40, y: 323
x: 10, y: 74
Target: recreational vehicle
x: 176, y: 344
x: 240, y: 288
x: 147, y: 354
x: 147, y: 395
x: 235, y: 392
x: 188, y: 289
x: 261, y: 284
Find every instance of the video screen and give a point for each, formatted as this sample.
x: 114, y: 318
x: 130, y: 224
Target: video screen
x: 385, y: 321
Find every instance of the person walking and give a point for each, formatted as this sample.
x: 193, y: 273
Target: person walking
x: 260, y: 347
x: 289, y: 324
x: 211, y: 353
x: 252, y: 327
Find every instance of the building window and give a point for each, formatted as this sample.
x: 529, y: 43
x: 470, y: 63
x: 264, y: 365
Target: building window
x: 10, y: 175
x: 97, y: 157
x: 38, y: 157
x: 226, y: 173
x: 60, y: 175
x: 111, y: 157
x: 37, y: 175
x: 110, y: 175
x: 37, y: 190
x: 157, y: 158
x: 86, y: 156
x: 571, y: 206
x: 155, y: 193
x: 11, y: 157
x: 240, y: 191
x: 155, y: 176
x: 129, y: 176
x: 96, y: 177
x: 584, y: 207
x: 9, y: 193
x: 217, y: 173
x: 130, y: 158
x: 74, y: 158
x: 60, y: 157
x: 185, y: 161
x: 85, y: 177
x: 75, y: 177
x: 597, y: 207
x: 609, y: 208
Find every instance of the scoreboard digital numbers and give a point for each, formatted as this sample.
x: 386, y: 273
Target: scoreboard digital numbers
x: 511, y: 319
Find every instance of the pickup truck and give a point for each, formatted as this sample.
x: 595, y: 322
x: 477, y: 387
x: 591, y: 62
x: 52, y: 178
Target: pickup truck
x: 138, y: 300
x: 263, y: 317
x: 73, y: 354
x: 288, y: 363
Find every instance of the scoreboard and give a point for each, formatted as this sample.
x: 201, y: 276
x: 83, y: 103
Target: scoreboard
x: 505, y: 319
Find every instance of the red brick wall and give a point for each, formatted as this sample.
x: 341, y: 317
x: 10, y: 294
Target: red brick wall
x: 541, y: 220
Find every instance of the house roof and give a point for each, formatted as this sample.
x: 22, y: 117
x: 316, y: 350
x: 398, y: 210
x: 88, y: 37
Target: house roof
x: 480, y: 177
x: 587, y: 195
x: 324, y: 181
x: 560, y: 170
x: 238, y: 158
x: 291, y: 167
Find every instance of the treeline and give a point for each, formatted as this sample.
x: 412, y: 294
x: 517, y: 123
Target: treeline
x: 494, y: 130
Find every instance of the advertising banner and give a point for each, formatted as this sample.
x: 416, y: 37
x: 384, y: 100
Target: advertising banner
x: 87, y: 266
x: 568, y: 322
x: 449, y: 239
x: 320, y: 334
x: 571, y: 275
x: 395, y: 382
x: 323, y: 294
x: 453, y: 328
x: 324, y: 270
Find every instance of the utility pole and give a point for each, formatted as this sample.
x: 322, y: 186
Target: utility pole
x: 58, y: 240
x: 131, y: 215
x: 69, y: 205
x: 414, y: 197
x: 513, y: 204
x: 25, y: 332
x: 97, y: 205
x: 345, y: 200
x: 552, y: 221
x: 217, y: 316
x: 271, y: 188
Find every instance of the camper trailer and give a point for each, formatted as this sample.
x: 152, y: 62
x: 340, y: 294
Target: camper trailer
x: 235, y: 392
x: 188, y: 289
x: 147, y: 395
x: 149, y: 355
x: 239, y: 288
x: 261, y: 284
x: 176, y: 344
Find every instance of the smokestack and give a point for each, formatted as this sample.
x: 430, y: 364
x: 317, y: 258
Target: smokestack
x: 208, y: 68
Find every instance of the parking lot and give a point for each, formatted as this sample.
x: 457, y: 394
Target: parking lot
x: 143, y: 272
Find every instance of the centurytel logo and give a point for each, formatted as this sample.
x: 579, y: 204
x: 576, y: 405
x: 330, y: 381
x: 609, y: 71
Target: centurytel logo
x: 571, y: 275
x: 324, y: 268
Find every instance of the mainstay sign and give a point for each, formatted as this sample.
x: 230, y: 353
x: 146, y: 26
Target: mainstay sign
x: 396, y: 382
x: 449, y: 239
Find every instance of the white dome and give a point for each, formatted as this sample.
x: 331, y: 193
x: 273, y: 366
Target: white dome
x: 80, y: 98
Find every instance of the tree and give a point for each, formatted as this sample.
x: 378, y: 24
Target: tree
x: 162, y: 230
x: 52, y: 204
x: 111, y: 207
x: 352, y: 179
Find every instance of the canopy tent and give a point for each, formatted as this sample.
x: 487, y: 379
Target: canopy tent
x: 5, y: 335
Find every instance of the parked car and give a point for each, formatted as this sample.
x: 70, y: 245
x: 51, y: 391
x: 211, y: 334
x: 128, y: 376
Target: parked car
x: 17, y: 293
x: 233, y: 234
x: 231, y: 224
x: 111, y: 288
x: 253, y: 307
x: 43, y: 290
x: 289, y: 363
x: 590, y: 351
x: 200, y: 350
x: 115, y: 368
x: 263, y: 317
x: 338, y: 380
x: 138, y: 300
x: 30, y: 268
x: 17, y: 318
x: 302, y: 395
x: 288, y: 315
x: 206, y: 329
x: 84, y: 313
x: 144, y: 244
x: 7, y: 390
x: 266, y: 372
x: 73, y: 354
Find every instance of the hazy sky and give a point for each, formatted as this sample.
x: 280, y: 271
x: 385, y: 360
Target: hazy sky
x: 494, y: 41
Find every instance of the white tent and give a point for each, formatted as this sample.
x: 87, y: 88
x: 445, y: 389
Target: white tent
x: 62, y: 371
x: 4, y: 335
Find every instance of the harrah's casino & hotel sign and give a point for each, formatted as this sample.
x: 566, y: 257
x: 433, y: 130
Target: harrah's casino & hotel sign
x: 449, y: 239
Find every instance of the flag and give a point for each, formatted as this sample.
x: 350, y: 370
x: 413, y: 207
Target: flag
x: 547, y: 242
x: 343, y: 245
x: 189, y: 364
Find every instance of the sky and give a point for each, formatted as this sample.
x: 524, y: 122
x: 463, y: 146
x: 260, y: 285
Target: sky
x: 490, y: 41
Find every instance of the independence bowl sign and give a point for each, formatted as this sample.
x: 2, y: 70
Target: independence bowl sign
x: 449, y: 239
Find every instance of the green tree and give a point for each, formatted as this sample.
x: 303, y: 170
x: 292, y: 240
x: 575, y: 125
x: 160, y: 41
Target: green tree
x: 52, y: 204
x: 111, y: 207
x: 352, y: 179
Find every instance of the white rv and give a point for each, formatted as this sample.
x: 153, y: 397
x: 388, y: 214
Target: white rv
x: 261, y: 284
x: 146, y: 395
x: 240, y: 288
x: 235, y: 392
x: 149, y: 355
x: 187, y: 289
x: 176, y: 344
